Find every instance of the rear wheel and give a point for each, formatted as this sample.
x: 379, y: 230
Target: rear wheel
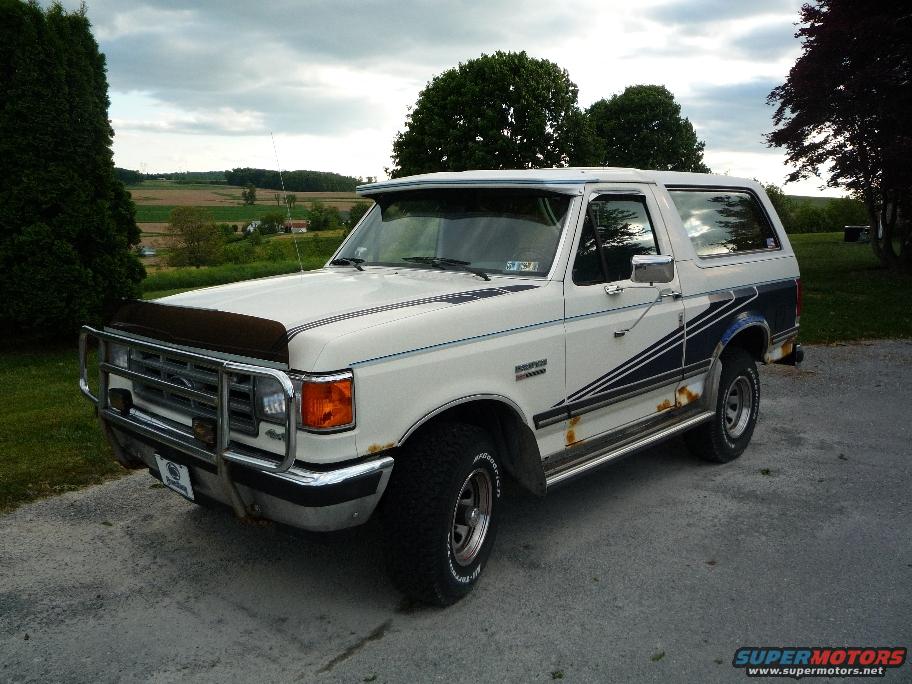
x: 440, y: 512
x: 727, y: 435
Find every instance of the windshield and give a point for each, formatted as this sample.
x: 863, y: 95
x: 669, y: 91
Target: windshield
x: 512, y: 232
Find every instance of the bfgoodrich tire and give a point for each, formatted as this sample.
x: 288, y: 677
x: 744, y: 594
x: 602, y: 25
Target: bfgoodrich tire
x: 727, y: 435
x: 440, y: 512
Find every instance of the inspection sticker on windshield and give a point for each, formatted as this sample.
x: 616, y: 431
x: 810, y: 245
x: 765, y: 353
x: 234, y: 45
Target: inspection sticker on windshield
x: 175, y: 476
x: 522, y: 266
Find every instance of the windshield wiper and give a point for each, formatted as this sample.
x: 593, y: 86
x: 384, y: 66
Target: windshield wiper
x: 444, y: 262
x: 348, y: 261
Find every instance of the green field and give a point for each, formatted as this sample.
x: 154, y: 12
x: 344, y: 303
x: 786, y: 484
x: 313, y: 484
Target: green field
x: 815, y: 200
x: 846, y: 295
x: 315, y: 250
x: 158, y: 213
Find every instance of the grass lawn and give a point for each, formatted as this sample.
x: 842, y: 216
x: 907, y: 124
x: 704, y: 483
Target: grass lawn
x: 846, y: 295
x: 49, y: 439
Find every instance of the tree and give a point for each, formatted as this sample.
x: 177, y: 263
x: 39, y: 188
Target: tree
x: 297, y: 181
x: 128, y: 176
x: 505, y: 110
x: 272, y: 223
x: 278, y: 199
x: 248, y: 194
x: 783, y: 204
x: 357, y: 211
x: 845, y: 108
x: 643, y: 128
x: 195, y: 240
x: 323, y: 217
x: 68, y: 224
x: 290, y: 200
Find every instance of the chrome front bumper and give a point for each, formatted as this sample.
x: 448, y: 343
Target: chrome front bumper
x: 274, y: 488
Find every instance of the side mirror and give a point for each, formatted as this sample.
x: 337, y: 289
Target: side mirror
x: 652, y: 268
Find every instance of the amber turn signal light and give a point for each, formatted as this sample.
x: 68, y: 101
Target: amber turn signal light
x: 327, y: 404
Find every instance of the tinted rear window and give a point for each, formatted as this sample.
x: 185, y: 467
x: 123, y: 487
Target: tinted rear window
x: 724, y: 221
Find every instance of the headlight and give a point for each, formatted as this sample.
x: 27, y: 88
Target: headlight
x: 118, y: 355
x: 325, y: 402
x: 270, y: 399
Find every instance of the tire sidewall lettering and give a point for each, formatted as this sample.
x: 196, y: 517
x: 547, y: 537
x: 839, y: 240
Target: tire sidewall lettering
x: 754, y: 382
x: 466, y: 579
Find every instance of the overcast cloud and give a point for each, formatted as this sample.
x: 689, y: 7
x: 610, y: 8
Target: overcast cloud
x: 199, y: 85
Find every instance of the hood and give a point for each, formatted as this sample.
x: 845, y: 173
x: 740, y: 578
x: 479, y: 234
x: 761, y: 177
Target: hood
x: 321, y: 305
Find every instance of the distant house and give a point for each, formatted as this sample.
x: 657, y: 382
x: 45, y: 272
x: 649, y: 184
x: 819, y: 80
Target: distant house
x: 299, y: 226
x: 252, y: 226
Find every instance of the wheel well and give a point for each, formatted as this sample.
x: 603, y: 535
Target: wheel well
x: 515, y: 441
x: 752, y: 339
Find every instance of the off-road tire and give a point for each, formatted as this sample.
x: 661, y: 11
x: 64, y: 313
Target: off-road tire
x: 727, y: 435
x: 421, y: 503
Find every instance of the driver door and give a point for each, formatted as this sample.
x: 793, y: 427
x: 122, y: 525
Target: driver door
x: 624, y: 339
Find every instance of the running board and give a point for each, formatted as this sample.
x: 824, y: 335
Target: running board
x: 604, y: 455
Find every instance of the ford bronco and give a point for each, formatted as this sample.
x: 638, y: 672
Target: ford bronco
x: 534, y: 324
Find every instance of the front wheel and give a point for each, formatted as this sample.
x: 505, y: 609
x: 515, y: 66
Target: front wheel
x: 440, y: 512
x: 727, y: 435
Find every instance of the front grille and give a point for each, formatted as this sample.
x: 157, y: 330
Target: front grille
x: 197, y: 376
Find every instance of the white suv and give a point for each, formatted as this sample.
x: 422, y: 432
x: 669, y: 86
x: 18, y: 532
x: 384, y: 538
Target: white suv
x: 474, y: 325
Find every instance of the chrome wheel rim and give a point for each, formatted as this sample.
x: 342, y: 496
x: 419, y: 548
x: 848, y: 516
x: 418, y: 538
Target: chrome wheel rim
x: 739, y: 401
x: 471, y: 516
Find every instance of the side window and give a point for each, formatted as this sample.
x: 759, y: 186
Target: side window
x: 616, y: 227
x: 724, y: 221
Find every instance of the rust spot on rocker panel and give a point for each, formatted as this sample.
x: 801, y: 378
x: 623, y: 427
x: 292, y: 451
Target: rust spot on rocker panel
x: 685, y: 396
x: 571, y: 433
x: 664, y: 406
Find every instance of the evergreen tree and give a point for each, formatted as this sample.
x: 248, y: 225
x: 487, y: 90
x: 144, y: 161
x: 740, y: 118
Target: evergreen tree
x: 68, y: 224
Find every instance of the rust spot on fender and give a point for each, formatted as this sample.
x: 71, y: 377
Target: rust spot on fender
x: 571, y: 433
x: 389, y: 445
x: 664, y: 406
x: 374, y: 448
x: 686, y: 396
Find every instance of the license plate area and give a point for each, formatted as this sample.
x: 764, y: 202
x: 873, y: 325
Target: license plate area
x: 175, y: 476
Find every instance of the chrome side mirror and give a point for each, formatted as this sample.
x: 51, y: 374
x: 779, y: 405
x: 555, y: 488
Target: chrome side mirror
x: 652, y: 268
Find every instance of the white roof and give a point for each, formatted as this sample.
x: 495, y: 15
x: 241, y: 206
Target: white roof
x: 563, y: 180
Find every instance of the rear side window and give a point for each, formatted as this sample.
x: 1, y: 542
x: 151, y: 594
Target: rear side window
x: 724, y: 221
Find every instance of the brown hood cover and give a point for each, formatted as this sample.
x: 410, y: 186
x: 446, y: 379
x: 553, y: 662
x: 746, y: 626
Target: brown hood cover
x: 221, y: 331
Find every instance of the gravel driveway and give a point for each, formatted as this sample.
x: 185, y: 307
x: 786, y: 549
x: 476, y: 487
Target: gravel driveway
x: 653, y: 569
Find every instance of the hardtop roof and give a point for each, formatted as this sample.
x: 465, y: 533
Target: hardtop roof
x: 569, y: 179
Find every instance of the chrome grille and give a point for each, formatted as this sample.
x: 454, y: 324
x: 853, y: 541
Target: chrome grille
x: 198, y: 376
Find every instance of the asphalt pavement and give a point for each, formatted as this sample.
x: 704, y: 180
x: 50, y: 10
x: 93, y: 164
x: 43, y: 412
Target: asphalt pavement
x: 654, y: 569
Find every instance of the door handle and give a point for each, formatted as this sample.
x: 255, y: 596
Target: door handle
x: 671, y: 293
x: 613, y: 289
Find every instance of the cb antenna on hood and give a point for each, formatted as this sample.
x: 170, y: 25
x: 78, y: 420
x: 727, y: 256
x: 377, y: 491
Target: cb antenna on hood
x: 285, y: 200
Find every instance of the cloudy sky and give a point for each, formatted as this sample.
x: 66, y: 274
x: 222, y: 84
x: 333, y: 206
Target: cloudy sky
x: 199, y: 85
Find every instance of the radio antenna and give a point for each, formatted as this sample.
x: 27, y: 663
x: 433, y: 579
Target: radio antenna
x: 294, y: 239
